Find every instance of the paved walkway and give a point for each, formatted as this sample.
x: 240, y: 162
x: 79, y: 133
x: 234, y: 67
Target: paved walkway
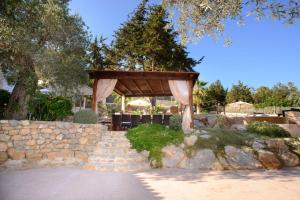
x: 75, y: 184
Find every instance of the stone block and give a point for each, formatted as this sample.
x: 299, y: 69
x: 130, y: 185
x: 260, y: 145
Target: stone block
x: 83, y: 140
x: 81, y: 155
x: 15, y: 154
x: 4, y: 137
x: 30, y: 142
x: 3, y: 146
x: 33, y: 155
x: 3, y: 156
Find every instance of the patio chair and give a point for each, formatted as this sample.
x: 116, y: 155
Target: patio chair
x: 135, y: 120
x: 157, y: 119
x: 146, y: 119
x: 166, y: 120
x: 116, y: 122
x: 126, y: 121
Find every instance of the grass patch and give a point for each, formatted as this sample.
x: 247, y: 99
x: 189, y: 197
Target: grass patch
x: 153, y: 137
x: 219, y: 138
x: 267, y: 129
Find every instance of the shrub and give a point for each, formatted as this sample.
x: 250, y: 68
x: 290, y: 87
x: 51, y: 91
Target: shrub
x: 4, y: 99
x: 267, y: 129
x: 152, y: 138
x: 49, y: 108
x: 175, y: 122
x: 85, y: 117
x: 223, y: 121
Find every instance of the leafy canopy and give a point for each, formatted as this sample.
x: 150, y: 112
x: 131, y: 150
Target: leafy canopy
x: 199, y: 17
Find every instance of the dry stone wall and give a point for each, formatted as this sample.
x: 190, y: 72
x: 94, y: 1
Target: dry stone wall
x: 30, y: 144
x: 36, y: 140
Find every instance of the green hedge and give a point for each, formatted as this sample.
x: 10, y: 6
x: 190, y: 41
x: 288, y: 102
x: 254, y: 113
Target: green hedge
x: 49, y: 108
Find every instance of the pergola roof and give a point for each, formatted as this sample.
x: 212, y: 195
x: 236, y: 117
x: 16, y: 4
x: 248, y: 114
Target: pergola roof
x: 140, y: 83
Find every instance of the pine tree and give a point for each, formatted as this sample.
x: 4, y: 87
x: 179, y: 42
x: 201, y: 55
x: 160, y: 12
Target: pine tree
x: 147, y: 41
x: 127, y: 46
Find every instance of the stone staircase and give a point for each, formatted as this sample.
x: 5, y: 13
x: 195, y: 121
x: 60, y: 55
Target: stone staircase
x: 113, y: 153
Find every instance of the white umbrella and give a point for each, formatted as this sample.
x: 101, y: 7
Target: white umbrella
x: 139, y: 103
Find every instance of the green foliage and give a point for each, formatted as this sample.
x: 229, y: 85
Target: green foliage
x: 175, y: 122
x: 199, y: 92
x: 49, y: 108
x: 267, y: 129
x: 41, y: 40
x: 147, y: 42
x: 219, y: 138
x: 85, y: 117
x: 152, y: 138
x: 240, y: 92
x: 197, y: 18
x: 4, y: 99
x: 279, y: 95
x: 215, y: 96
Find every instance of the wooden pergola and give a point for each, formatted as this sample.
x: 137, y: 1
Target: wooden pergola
x: 143, y: 84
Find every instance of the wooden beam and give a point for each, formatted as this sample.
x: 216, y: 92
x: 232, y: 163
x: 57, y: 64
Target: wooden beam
x: 149, y: 95
x: 120, y: 82
x: 141, y: 75
x: 148, y: 85
x: 137, y: 86
x: 94, y: 101
x: 161, y: 86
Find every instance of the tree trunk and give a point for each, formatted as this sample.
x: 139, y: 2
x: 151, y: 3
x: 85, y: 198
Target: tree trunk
x: 24, y: 88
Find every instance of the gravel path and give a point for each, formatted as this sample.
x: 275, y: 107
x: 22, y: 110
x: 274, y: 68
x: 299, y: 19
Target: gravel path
x: 75, y: 184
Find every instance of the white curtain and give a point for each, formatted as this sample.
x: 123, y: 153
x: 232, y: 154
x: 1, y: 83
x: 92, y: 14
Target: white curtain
x: 104, y: 88
x: 181, y: 91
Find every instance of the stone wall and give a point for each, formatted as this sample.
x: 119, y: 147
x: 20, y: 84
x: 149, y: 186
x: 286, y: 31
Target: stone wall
x: 36, y: 140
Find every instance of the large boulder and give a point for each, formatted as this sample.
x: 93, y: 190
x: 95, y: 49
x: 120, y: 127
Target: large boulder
x: 241, y: 158
x: 190, y: 140
x: 279, y: 147
x: 289, y: 159
x: 269, y: 160
x: 172, y: 156
x: 258, y: 145
x: 204, y: 159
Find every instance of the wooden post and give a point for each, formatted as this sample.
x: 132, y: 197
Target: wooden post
x: 191, y: 102
x: 123, y: 104
x: 94, y: 102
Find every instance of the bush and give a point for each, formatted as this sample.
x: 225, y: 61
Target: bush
x: 267, y: 129
x: 49, y: 108
x: 175, y: 122
x: 85, y: 117
x: 152, y: 138
x: 4, y: 99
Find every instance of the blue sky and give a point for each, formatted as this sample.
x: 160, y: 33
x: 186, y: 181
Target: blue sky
x: 262, y: 53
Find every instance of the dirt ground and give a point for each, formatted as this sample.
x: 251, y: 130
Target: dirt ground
x: 75, y: 184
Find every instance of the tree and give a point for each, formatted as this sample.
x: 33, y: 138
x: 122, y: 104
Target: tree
x: 262, y: 94
x: 126, y: 51
x: 215, y: 95
x: 97, y: 54
x: 240, y: 92
x: 199, y: 17
x: 199, y: 93
x: 40, y: 40
x: 147, y: 42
